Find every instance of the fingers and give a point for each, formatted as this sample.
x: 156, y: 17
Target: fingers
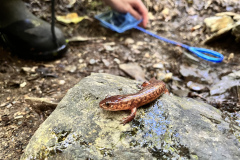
x: 134, y: 13
x: 141, y: 9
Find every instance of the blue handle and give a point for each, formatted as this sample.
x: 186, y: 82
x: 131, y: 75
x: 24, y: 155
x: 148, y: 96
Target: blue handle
x: 202, y: 53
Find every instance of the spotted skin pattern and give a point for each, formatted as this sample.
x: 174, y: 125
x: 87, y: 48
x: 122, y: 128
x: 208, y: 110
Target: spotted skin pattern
x: 150, y: 91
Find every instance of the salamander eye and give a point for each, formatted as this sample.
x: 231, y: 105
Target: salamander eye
x: 107, y: 104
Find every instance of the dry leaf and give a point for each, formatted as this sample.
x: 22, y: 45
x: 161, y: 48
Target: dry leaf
x: 71, y: 18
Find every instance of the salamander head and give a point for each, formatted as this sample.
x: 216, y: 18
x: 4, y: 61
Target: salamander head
x: 110, y: 103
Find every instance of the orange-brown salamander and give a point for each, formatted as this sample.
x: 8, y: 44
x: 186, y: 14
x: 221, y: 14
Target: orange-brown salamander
x: 150, y: 91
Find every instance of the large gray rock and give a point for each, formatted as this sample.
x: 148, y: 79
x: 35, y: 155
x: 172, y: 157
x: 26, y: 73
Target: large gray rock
x: 169, y: 128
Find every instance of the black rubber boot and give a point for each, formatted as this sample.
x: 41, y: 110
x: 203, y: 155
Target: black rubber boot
x: 28, y: 36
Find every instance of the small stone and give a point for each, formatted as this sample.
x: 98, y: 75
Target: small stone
x: 168, y: 77
x: 164, y: 76
x: 165, y: 11
x: 106, y: 62
x: 28, y: 69
x: 3, y: 104
x: 108, y: 48
x: 117, y: 60
x: 9, y: 105
x: 158, y: 66
x: 230, y: 57
x: 71, y: 68
x: 82, y: 66
x: 140, y: 43
x: 81, y: 60
x: 61, y: 82
x: 92, y: 61
x: 195, y: 86
x: 23, y: 84
x: 147, y: 55
x: 100, y: 71
x: 18, y: 117
x: 20, y: 122
x: 129, y: 41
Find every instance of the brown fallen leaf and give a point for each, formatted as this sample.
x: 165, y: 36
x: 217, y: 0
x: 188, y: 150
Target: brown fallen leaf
x: 71, y: 18
x: 40, y: 105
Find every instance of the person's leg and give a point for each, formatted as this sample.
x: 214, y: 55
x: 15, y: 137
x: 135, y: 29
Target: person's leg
x: 27, y: 35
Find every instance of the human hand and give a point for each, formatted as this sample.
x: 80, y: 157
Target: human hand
x: 135, y: 7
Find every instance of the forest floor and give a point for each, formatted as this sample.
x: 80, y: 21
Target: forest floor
x: 30, y: 90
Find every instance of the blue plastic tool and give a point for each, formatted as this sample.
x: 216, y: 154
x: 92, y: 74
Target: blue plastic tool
x: 120, y: 22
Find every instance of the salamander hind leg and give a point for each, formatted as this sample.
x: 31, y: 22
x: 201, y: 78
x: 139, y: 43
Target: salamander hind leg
x: 166, y: 91
x: 130, y: 117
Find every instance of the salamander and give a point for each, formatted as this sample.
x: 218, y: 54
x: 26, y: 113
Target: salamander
x: 150, y: 91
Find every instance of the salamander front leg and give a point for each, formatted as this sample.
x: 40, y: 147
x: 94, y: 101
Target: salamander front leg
x: 130, y: 117
x: 146, y: 83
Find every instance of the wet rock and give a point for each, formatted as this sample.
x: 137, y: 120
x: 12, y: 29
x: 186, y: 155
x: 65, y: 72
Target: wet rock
x: 227, y: 82
x: 169, y: 128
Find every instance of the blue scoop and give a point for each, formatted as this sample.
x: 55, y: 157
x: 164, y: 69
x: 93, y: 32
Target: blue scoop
x: 120, y: 22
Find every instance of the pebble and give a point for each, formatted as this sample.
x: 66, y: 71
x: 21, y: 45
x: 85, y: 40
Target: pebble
x: 92, y: 61
x: 158, y: 66
x: 61, y: 82
x: 23, y: 84
x: 129, y: 41
x: 106, y: 62
x: 18, y: 117
x: 81, y: 60
x: 117, y: 60
x: 195, y: 86
x: 20, y: 122
x: 71, y: 68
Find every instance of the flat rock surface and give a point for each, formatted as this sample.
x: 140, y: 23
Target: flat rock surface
x: 169, y: 128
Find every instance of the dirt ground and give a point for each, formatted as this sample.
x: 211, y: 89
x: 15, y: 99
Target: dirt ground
x: 29, y: 91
